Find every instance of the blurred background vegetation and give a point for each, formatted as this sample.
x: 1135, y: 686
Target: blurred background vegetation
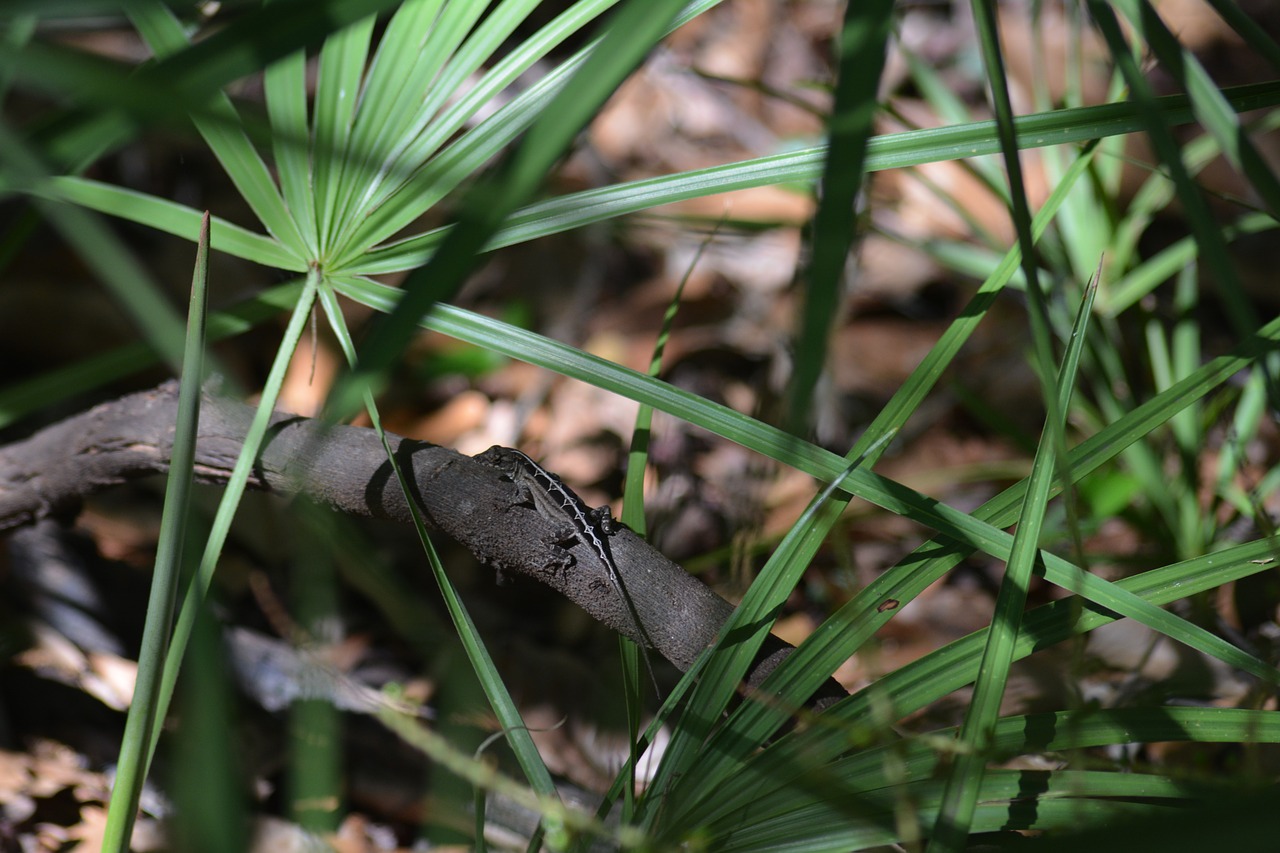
x: 478, y: 215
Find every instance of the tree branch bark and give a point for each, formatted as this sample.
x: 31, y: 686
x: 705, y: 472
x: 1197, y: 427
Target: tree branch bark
x: 346, y: 468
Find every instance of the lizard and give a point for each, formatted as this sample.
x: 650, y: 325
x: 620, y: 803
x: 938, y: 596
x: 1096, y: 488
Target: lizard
x: 555, y: 501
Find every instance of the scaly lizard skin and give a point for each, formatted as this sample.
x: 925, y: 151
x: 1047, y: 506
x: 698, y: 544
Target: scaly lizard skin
x: 555, y: 501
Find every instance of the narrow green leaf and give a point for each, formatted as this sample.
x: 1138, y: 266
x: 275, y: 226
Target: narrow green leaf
x: 960, y: 798
x: 342, y: 64
x: 862, y: 44
x: 173, y: 218
x: 220, y: 126
x: 631, y: 33
x: 438, y: 122
x: 198, y: 587
x: 795, y: 680
x: 144, y: 712
x: 821, y: 463
x: 740, y: 638
x: 923, y: 681
x: 286, y: 94
x: 909, y: 148
x: 1200, y: 219
x: 393, y: 85
x: 1211, y: 108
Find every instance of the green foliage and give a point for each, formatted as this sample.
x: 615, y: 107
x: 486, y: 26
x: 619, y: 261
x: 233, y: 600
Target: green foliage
x: 337, y: 182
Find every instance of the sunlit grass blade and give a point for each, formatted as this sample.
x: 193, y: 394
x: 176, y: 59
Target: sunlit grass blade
x: 134, y: 758
x: 915, y: 685
x: 1250, y: 414
x: 891, y: 151
x: 578, y: 209
x: 392, y: 86
x: 960, y: 795
x: 504, y: 708
x: 173, y: 218
x: 633, y: 516
x: 844, y: 632
x: 960, y: 798
x: 821, y: 463
x: 1146, y: 205
x: 341, y: 66
x: 1086, y: 457
x: 632, y: 32
x: 480, y: 145
x: 1164, y: 264
x: 438, y: 122
x: 1211, y: 108
x: 1043, y: 801
x: 738, y: 643
x: 198, y: 586
x: 918, y: 757
x: 222, y: 132
x: 286, y: 94
x: 1213, y: 251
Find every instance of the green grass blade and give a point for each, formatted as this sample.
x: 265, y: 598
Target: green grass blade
x: 862, y: 45
x: 736, y: 427
x: 1211, y: 108
x: 173, y: 218
x: 210, y: 803
x: 891, y: 151
x: 960, y: 798
x: 437, y: 123
x: 514, y: 729
x: 919, y: 758
x: 286, y: 93
x: 960, y: 795
x: 797, y: 677
x: 341, y: 67
x: 633, y: 516
x: 393, y: 85
x: 778, y: 445
x: 740, y: 638
x: 480, y: 145
x: 1200, y: 219
x: 1045, y: 800
x: 923, y: 681
x: 1164, y: 265
x: 133, y: 762
x: 222, y: 132
x: 631, y: 33
x: 198, y: 587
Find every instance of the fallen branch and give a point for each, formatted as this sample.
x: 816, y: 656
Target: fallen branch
x: 345, y: 468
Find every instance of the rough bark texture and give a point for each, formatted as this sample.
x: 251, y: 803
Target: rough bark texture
x: 346, y: 468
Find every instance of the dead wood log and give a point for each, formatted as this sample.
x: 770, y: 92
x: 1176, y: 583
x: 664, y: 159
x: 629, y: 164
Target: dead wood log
x: 346, y: 468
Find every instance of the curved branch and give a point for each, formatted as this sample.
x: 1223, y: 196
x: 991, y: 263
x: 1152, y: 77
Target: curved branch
x: 346, y: 468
